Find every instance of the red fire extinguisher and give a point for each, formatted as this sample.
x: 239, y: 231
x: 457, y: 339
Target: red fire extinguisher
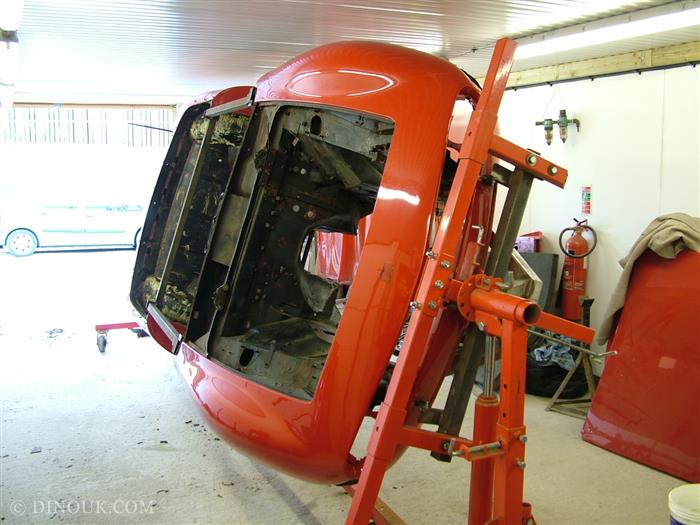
x: 573, y: 278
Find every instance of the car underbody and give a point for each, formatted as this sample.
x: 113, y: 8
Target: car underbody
x: 263, y: 310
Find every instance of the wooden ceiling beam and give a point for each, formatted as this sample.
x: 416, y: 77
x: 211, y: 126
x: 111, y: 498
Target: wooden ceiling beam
x: 688, y: 53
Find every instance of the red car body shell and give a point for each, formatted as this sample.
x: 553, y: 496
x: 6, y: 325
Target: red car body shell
x: 312, y: 439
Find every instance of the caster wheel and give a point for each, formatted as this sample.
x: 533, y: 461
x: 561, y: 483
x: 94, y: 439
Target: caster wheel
x: 102, y: 342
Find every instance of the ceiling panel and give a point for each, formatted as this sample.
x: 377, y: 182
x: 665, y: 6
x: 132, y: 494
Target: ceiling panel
x: 479, y: 60
x: 173, y: 49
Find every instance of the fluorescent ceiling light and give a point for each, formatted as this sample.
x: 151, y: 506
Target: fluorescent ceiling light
x: 391, y: 10
x: 635, y: 28
x: 277, y: 42
x: 521, y: 25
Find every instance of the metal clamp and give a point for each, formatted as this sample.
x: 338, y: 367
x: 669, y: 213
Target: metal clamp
x: 485, y: 448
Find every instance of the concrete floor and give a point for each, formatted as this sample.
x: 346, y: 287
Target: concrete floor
x: 115, y: 438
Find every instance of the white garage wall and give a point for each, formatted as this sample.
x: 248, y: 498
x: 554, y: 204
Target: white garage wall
x: 638, y: 147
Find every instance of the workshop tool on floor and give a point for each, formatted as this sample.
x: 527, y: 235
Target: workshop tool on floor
x: 497, y: 450
x: 102, y: 329
x: 577, y: 407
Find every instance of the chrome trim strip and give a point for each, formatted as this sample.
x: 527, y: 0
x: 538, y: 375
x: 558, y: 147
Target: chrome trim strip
x: 167, y: 327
